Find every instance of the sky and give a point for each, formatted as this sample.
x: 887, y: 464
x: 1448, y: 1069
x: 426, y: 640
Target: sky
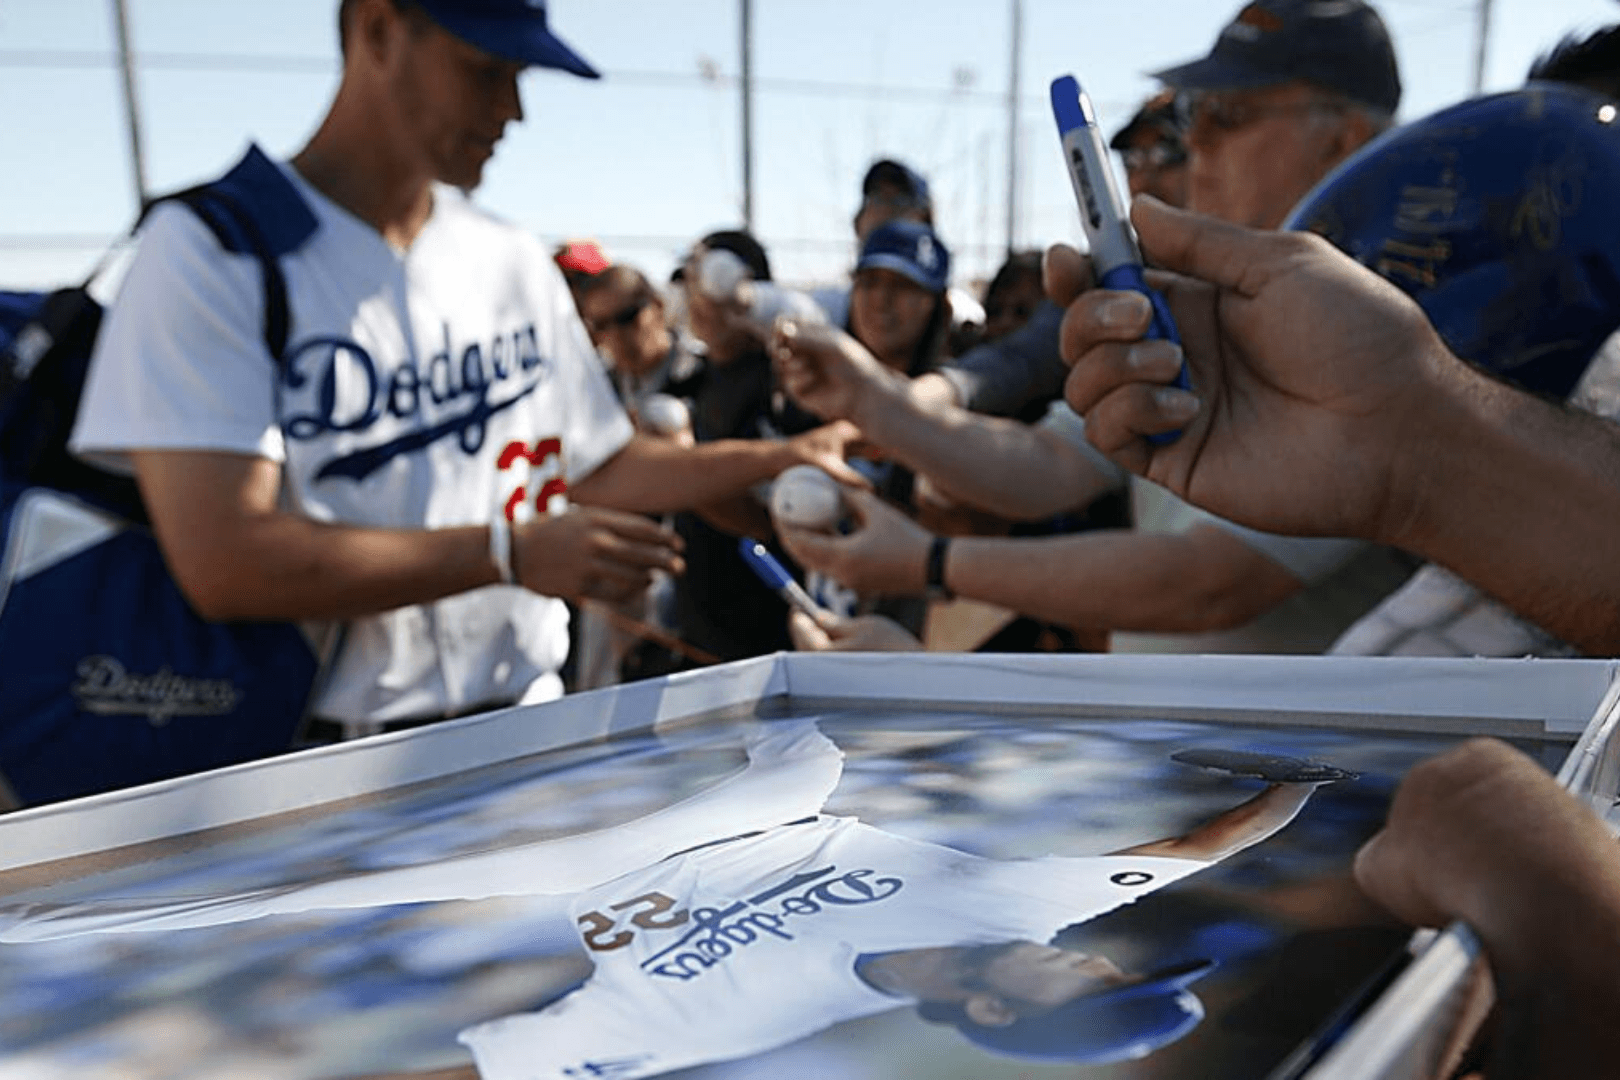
x: 649, y: 158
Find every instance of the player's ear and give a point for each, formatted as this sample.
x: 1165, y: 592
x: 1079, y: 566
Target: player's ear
x: 988, y: 1010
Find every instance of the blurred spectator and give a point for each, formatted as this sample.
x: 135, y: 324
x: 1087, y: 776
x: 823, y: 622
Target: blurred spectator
x: 579, y: 261
x: 1153, y: 148
x: 899, y: 311
x: 652, y: 371
x: 1592, y: 61
x: 892, y: 192
x: 628, y: 321
x: 1013, y: 295
x: 898, y: 306
x: 721, y: 607
x: 1291, y: 88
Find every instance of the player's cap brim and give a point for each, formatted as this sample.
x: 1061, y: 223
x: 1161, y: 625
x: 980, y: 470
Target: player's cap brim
x: 520, y: 37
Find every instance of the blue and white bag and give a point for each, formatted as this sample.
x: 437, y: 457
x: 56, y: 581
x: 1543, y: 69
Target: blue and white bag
x: 108, y: 678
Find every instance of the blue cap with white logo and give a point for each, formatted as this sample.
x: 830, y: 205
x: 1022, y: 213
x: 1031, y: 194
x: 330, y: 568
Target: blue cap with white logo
x: 1121, y: 1024
x: 910, y: 249
x: 510, y: 29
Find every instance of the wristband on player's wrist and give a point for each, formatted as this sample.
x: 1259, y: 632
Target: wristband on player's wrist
x: 500, y: 549
x: 934, y: 569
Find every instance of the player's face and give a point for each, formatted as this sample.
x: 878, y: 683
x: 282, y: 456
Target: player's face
x: 1046, y: 976
x: 1255, y: 153
x: 889, y: 313
x: 454, y: 101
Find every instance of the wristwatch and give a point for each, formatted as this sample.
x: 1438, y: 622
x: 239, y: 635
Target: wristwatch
x: 934, y: 573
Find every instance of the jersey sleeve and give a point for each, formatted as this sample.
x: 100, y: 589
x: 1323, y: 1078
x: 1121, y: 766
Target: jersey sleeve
x: 180, y: 362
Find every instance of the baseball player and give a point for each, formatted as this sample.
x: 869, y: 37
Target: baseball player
x: 407, y: 469
x: 696, y: 916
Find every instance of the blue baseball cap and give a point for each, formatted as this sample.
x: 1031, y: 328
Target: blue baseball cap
x: 910, y: 249
x: 510, y: 29
x: 1339, y: 45
x: 1120, y: 1024
x: 1496, y: 216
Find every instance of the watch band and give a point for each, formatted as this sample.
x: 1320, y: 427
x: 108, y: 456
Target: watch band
x: 934, y: 574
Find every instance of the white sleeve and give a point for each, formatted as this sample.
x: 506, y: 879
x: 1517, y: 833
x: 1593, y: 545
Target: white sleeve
x: 180, y: 361
x: 1071, y: 428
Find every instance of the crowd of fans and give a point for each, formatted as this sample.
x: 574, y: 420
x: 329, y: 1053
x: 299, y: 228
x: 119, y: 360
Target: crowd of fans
x: 988, y: 485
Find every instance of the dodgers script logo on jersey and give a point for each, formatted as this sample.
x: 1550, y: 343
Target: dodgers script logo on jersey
x: 386, y: 407
x: 719, y: 932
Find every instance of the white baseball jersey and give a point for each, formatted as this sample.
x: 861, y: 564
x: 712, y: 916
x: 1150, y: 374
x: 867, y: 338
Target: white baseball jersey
x: 734, y: 949
x: 428, y: 388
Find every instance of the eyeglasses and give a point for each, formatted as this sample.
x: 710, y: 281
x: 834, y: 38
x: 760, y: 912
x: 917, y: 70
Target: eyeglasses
x: 1225, y: 114
x: 620, y: 319
x: 1161, y: 155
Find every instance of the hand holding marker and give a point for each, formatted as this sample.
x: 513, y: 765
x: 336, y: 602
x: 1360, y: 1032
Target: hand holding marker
x: 774, y: 574
x: 1115, y: 258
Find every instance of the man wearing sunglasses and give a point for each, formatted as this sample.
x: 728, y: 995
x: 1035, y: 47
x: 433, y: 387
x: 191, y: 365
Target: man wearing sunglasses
x: 1153, y: 148
x: 1291, y: 88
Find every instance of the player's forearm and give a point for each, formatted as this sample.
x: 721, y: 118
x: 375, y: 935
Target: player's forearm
x: 237, y: 555
x: 1238, y: 828
x: 1116, y: 579
x: 1521, y: 498
x: 652, y: 475
x: 281, y: 566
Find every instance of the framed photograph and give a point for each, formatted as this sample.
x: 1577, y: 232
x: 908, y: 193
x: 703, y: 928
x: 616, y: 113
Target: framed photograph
x: 845, y: 866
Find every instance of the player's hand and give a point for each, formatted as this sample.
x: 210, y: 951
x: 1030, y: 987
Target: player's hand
x: 830, y: 373
x: 865, y: 633
x: 886, y: 553
x: 828, y: 448
x: 592, y: 553
x: 1311, y: 375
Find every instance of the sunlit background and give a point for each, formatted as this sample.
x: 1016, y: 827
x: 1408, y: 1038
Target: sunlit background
x: 652, y: 157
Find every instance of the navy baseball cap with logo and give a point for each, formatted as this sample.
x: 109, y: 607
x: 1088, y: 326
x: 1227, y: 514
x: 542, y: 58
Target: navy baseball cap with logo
x: 1121, y: 1024
x: 910, y: 249
x: 510, y: 29
x: 1339, y: 45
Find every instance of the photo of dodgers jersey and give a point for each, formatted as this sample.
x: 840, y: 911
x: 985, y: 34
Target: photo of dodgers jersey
x: 427, y: 388
x: 692, y: 954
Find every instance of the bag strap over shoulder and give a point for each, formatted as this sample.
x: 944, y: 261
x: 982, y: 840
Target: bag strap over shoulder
x: 254, y: 209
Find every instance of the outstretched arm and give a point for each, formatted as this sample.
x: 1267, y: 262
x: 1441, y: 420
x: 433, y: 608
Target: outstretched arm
x: 651, y: 475
x: 1327, y: 383
x: 967, y: 455
x: 1114, y: 579
x: 1238, y: 828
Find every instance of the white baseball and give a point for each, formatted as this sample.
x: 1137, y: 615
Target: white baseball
x: 807, y: 498
x: 664, y: 415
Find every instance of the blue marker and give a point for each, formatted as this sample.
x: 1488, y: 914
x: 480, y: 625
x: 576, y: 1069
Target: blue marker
x: 774, y: 574
x: 1115, y: 257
